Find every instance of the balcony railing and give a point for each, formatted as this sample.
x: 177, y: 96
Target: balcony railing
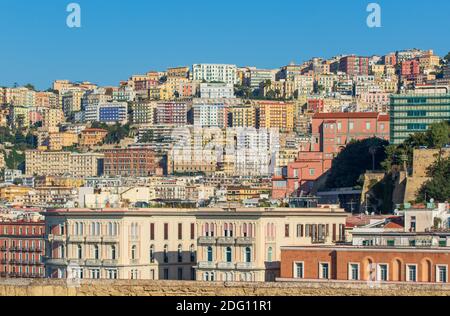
x: 245, y: 241
x: 245, y: 266
x: 76, y: 239
x: 94, y: 239
x: 57, y: 238
x: 226, y: 265
x: 56, y: 262
x: 110, y: 263
x: 206, y: 265
x: 206, y: 240
x: 110, y: 239
x: 226, y: 241
x: 93, y: 262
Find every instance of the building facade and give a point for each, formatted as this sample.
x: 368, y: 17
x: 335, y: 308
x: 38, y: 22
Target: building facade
x: 130, y: 162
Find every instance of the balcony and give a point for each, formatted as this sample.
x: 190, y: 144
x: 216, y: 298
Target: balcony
x: 245, y: 266
x: 318, y: 241
x: 76, y: 239
x: 56, y: 262
x: 94, y: 239
x: 110, y: 263
x: 226, y: 265
x: 206, y: 265
x: 226, y: 241
x: 110, y: 239
x: 93, y: 263
x: 245, y: 241
x: 78, y: 262
x: 207, y: 241
x: 57, y: 238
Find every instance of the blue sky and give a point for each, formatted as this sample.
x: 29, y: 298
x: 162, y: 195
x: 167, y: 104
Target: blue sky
x: 119, y: 38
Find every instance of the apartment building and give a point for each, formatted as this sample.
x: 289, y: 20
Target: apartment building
x: 244, y: 244
x: 92, y: 136
x: 217, y: 90
x: 130, y: 162
x: 414, y: 111
x: 215, y: 73
x: 109, y: 113
x: 40, y: 163
x: 58, y: 141
x: 212, y: 112
x: 242, y: 116
x: 121, y: 244
x: 22, y: 247
x: 354, y: 65
x: 171, y: 113
x: 278, y: 115
x: 181, y: 244
x: 143, y: 112
x: 259, y: 76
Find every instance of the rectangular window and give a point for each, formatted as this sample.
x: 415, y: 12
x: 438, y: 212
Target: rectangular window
x: 299, y: 230
x: 166, y: 274
x: 299, y: 270
x: 180, y: 231
x: 166, y: 231
x: 411, y: 272
x: 286, y: 230
x: 353, y: 274
x: 192, y: 231
x: 324, y: 271
x: 442, y: 274
x: 152, y: 231
x: 383, y: 272
x: 180, y: 274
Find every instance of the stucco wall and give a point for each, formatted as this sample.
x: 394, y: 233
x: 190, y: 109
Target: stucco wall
x: 24, y: 287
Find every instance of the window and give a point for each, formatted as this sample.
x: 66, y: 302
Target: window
x: 180, y: 231
x: 411, y: 273
x: 210, y: 254
x: 166, y: 254
x: 152, y: 231
x: 96, y: 253
x: 113, y: 253
x: 111, y: 274
x: 442, y: 274
x: 79, y: 252
x: 192, y: 231
x: 152, y: 254
x: 383, y: 272
x: 248, y: 255
x: 180, y: 274
x: 351, y: 125
x: 368, y: 126
x: 299, y: 231
x: 299, y: 270
x: 166, y: 274
x: 324, y: 271
x: 286, y: 230
x: 353, y: 273
x: 270, y: 254
x: 229, y: 254
x: 166, y: 231
x: 133, y: 252
x: 312, y: 172
x: 180, y: 253
x: 192, y: 252
x: 134, y: 274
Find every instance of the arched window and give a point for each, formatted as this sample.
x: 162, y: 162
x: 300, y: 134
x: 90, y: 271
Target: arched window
x: 133, y: 252
x: 270, y: 254
x: 110, y: 229
x: 80, y: 252
x: 206, y: 276
x: 166, y: 254
x: 62, y: 252
x: 213, y: 276
x: 229, y: 254
x: 206, y: 229
x: 210, y: 254
x: 225, y: 230
x: 192, y: 251
x: 96, y: 253
x: 152, y: 253
x: 113, y: 253
x: 231, y: 231
x: 212, y: 230
x: 180, y: 253
x: 244, y: 230
x: 248, y: 254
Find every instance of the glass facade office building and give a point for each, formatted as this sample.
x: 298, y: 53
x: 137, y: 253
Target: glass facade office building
x: 413, y: 113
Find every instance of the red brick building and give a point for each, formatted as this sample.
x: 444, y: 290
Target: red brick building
x: 410, y: 69
x: 354, y: 65
x: 21, y: 249
x: 171, y: 113
x: 130, y: 162
x: 331, y: 132
x: 366, y: 264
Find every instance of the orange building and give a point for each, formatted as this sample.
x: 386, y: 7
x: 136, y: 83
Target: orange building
x: 273, y: 114
x: 92, y: 136
x: 366, y: 264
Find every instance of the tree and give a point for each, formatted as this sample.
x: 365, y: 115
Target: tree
x: 447, y: 58
x: 29, y: 86
x: 147, y: 137
x: 438, y: 187
x: 354, y: 161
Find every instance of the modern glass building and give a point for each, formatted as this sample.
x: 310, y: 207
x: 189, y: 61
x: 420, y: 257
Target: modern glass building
x: 414, y: 112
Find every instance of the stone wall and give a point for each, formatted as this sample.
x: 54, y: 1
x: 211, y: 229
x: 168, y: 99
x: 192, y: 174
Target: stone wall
x: 46, y: 287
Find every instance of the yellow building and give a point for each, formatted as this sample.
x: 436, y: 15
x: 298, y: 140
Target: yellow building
x: 273, y: 114
x: 239, y: 194
x: 14, y: 193
x: 242, y: 116
x: 57, y: 141
x: 52, y: 118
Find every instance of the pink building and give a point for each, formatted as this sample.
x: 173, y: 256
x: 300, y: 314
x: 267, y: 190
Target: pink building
x: 331, y: 132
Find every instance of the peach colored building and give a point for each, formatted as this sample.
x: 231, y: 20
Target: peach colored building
x: 92, y: 136
x: 331, y: 132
